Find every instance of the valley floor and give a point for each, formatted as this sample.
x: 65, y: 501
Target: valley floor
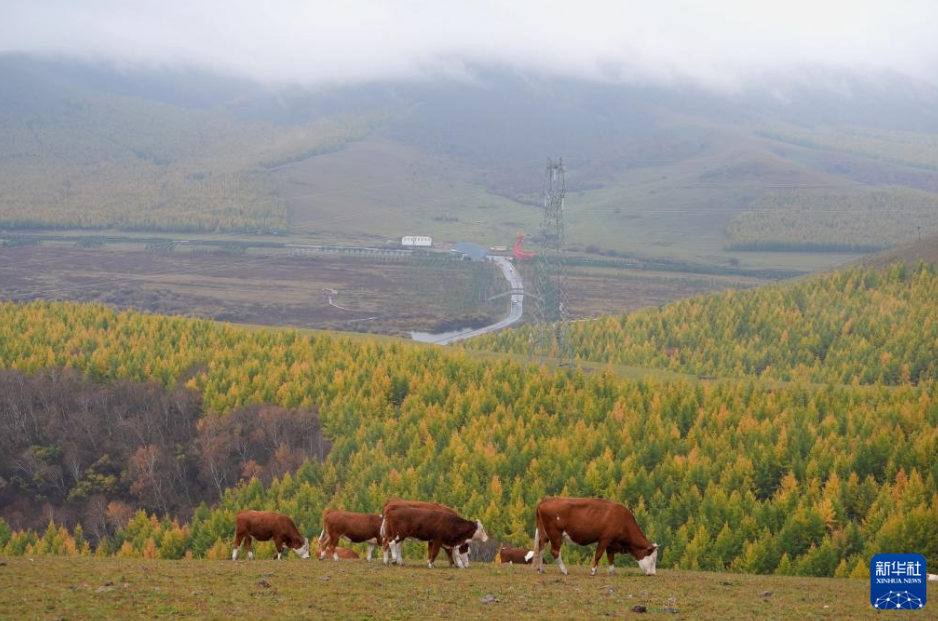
x: 91, y: 588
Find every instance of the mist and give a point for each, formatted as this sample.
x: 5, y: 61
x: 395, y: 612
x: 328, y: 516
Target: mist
x: 725, y: 45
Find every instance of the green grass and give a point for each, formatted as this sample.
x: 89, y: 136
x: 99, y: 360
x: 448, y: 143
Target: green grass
x: 89, y: 588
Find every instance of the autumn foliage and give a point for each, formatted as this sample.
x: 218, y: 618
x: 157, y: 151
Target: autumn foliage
x: 739, y: 475
x: 860, y: 326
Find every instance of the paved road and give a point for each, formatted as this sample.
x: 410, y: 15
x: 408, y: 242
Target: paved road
x: 514, y: 312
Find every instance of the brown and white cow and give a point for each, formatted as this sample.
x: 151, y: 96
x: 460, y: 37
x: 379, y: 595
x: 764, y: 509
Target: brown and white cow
x: 356, y: 527
x: 462, y: 556
x: 439, y: 530
x: 584, y: 521
x: 346, y: 553
x: 515, y: 556
x: 267, y: 525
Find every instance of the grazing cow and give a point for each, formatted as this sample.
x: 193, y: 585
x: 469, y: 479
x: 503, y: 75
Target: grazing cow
x: 356, y: 527
x: 584, y: 521
x: 346, y: 554
x: 463, y: 551
x: 439, y: 530
x: 933, y: 577
x: 267, y: 525
x: 515, y: 556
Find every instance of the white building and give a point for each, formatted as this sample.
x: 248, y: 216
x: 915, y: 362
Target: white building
x: 414, y: 241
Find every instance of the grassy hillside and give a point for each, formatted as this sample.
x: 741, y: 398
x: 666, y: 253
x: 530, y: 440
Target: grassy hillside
x: 732, y: 475
x: 857, y: 222
x: 859, y: 326
x: 648, y: 174
x: 911, y: 253
x: 128, y: 589
x: 76, y: 157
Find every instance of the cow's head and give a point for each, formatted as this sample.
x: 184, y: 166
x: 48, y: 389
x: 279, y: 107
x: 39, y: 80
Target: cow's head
x: 647, y: 558
x: 480, y: 534
x: 303, y: 551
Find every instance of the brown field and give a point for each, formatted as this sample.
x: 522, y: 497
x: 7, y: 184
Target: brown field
x: 276, y: 288
x: 376, y: 295
x: 603, y: 291
x: 128, y: 589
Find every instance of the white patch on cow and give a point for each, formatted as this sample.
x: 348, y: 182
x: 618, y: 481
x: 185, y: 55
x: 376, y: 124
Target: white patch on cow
x: 251, y: 555
x: 335, y: 556
x: 303, y: 551
x: 592, y: 571
x: 465, y: 559
x: 371, y: 549
x: 480, y: 534
x: 563, y: 568
x: 529, y: 555
x: 234, y: 554
x: 933, y: 577
x: 649, y: 563
x: 612, y: 570
x: 429, y: 565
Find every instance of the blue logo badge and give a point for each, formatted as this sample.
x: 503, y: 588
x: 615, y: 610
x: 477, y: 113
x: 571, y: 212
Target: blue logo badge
x: 897, y: 581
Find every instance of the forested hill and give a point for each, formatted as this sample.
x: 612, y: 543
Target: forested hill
x: 861, y: 325
x: 732, y: 475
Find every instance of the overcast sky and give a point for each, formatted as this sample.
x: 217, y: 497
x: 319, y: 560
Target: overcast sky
x: 719, y: 43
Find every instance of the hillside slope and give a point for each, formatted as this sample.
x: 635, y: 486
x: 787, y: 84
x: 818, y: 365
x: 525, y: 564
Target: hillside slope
x: 859, y: 326
x: 732, y: 475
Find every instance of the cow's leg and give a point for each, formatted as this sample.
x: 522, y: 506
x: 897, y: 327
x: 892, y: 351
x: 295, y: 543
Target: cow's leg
x: 611, y: 557
x: 278, y: 546
x: 555, y: 543
x: 433, y: 550
x: 323, y: 540
x: 237, y: 544
x: 385, y: 545
x: 371, y: 549
x: 247, y: 546
x: 601, y: 546
x: 399, y: 552
x: 449, y: 553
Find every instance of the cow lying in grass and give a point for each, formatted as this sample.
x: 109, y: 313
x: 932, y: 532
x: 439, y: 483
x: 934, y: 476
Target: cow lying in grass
x: 267, y: 526
x: 515, y: 556
x: 356, y: 527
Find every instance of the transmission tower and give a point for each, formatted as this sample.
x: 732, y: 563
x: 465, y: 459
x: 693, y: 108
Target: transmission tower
x: 551, y: 302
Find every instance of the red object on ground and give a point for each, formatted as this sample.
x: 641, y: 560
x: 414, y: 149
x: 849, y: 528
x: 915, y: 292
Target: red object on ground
x: 518, y: 252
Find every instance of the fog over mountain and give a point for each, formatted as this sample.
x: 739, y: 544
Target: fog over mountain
x: 727, y: 45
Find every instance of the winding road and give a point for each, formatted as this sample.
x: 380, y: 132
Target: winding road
x: 515, y: 310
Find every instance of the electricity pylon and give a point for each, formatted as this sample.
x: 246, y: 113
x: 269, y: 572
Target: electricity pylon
x: 551, y: 306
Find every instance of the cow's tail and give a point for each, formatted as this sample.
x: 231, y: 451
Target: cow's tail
x: 539, y: 534
x: 384, y: 530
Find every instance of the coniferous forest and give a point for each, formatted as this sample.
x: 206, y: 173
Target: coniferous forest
x: 856, y: 326
x: 810, y: 476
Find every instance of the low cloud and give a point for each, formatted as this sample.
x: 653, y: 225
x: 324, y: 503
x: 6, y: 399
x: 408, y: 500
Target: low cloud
x: 721, y: 44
